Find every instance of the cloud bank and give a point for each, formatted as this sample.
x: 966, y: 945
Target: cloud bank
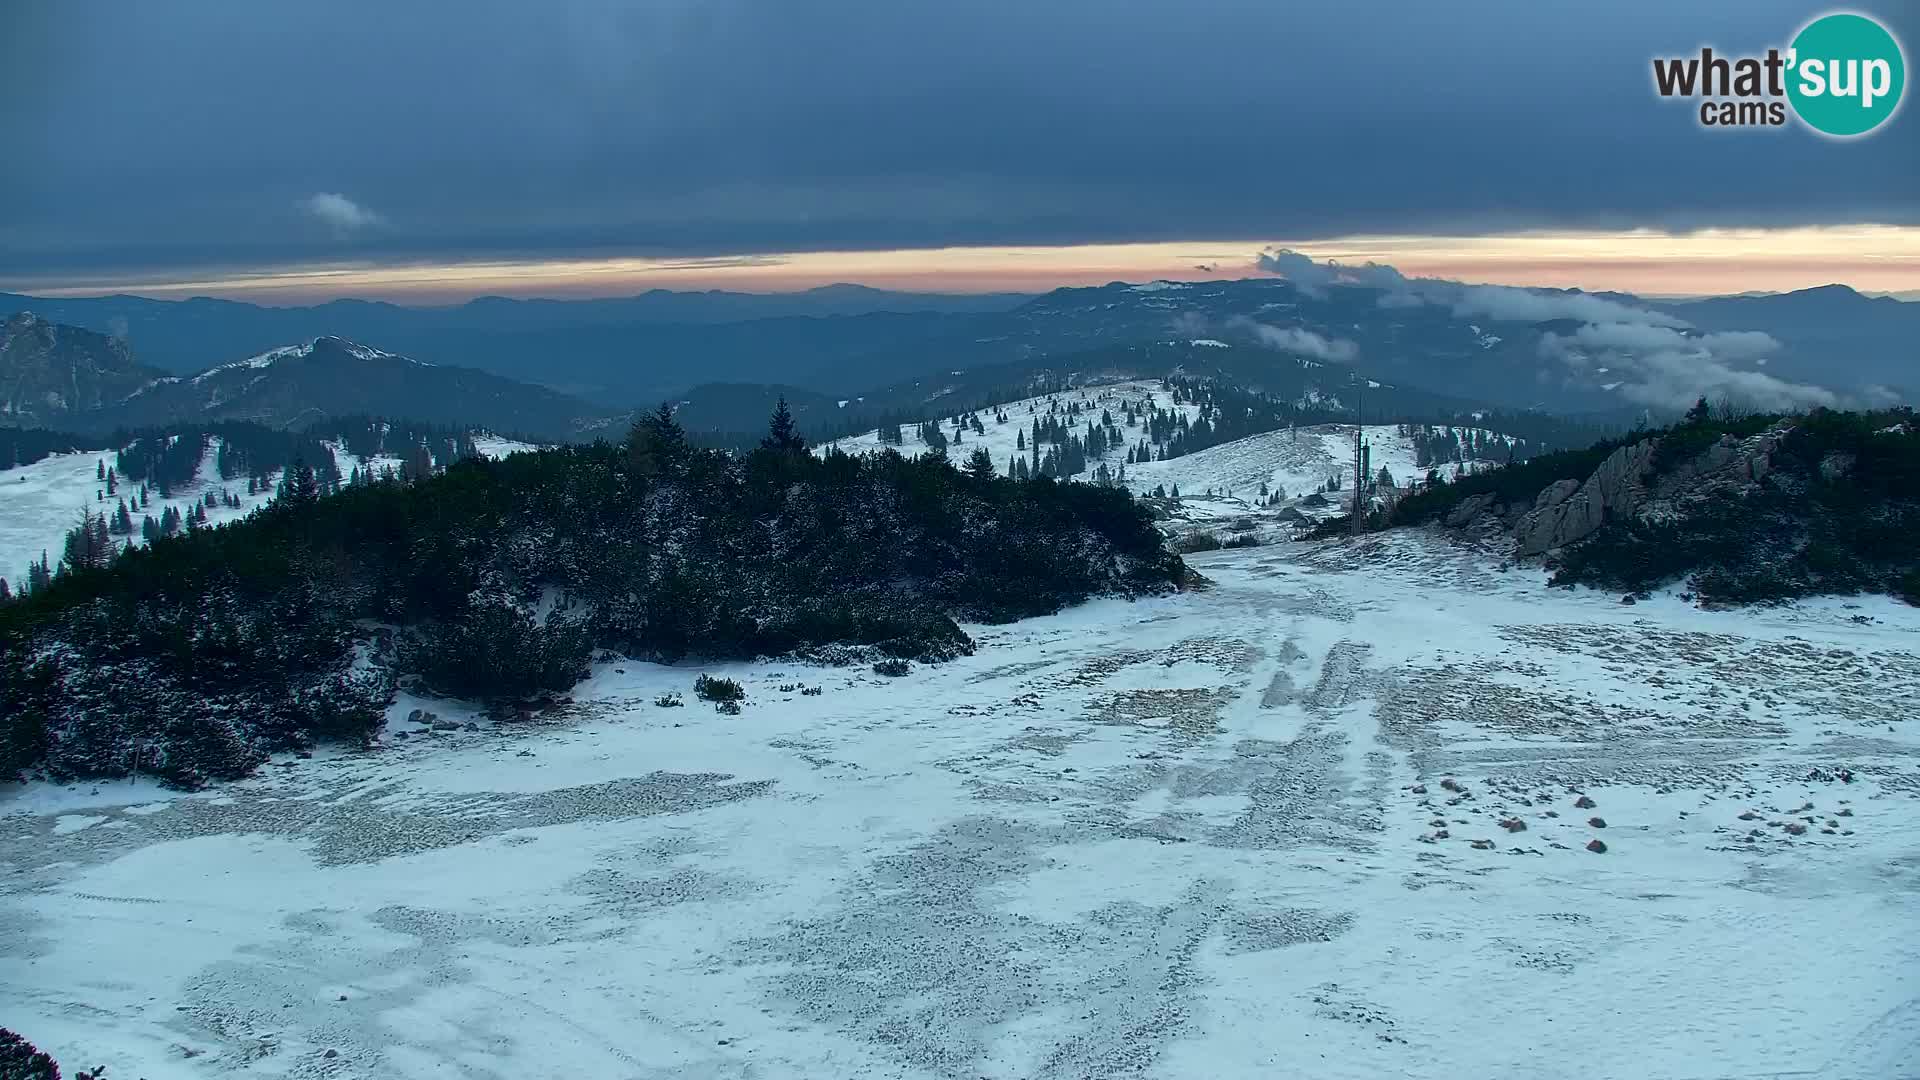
x: 1647, y: 357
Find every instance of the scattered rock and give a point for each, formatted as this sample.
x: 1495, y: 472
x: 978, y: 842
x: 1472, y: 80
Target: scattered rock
x: 1598, y: 847
x: 1483, y: 845
x: 413, y: 717
x: 1847, y: 812
x: 1584, y: 803
x: 1451, y: 784
x: 1513, y: 824
x: 331, y: 1054
x: 1749, y: 816
x: 446, y: 725
x: 1597, y: 822
x: 1440, y: 834
x: 1794, y: 828
x: 1419, y: 789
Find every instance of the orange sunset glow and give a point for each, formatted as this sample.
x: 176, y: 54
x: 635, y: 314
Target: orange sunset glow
x: 1871, y: 258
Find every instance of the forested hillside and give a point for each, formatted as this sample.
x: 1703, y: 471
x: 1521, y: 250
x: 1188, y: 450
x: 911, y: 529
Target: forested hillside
x: 195, y: 656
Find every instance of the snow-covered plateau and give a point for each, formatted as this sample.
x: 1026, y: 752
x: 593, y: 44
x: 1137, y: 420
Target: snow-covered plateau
x: 1327, y: 818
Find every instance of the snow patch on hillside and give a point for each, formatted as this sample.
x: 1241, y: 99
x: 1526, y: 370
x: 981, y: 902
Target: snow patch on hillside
x: 41, y: 502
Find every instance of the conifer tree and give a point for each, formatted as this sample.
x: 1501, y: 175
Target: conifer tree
x: 781, y: 436
x: 656, y: 444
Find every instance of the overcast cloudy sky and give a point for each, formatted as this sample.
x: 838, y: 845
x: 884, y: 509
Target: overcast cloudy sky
x: 200, y: 141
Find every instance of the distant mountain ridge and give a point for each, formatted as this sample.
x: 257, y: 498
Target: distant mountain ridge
x: 184, y: 336
x: 1560, y: 350
x: 287, y: 387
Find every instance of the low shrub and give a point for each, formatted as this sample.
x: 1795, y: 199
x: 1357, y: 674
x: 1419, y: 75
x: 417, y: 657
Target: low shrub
x: 21, y: 1060
x: 708, y: 688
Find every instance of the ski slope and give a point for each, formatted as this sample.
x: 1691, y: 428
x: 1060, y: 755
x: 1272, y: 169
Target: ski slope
x: 1242, y: 832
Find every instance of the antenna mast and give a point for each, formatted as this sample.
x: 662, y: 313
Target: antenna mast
x: 1359, y: 469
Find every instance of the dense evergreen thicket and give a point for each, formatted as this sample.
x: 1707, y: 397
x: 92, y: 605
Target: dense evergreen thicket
x: 193, y: 657
x: 24, y: 446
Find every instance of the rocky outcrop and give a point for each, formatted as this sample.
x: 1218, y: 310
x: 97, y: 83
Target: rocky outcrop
x: 1567, y: 510
x: 1731, y: 466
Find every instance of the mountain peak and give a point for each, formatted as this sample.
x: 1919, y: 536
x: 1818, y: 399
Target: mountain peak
x: 1836, y: 293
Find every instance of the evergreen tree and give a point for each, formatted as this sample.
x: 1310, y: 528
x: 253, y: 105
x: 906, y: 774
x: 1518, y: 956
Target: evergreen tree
x: 781, y: 436
x: 980, y: 465
x: 657, y: 445
x: 39, y: 575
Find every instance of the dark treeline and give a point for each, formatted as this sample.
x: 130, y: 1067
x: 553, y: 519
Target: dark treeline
x: 195, y: 656
x: 24, y: 446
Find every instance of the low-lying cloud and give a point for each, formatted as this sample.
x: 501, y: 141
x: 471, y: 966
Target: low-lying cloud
x: 339, y: 213
x: 1662, y: 367
x: 1506, y: 303
x: 1300, y: 342
x: 1500, y: 303
x: 1645, y: 356
x: 1313, y: 277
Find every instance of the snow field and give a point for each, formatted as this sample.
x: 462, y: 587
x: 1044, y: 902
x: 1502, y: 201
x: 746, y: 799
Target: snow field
x: 1186, y: 836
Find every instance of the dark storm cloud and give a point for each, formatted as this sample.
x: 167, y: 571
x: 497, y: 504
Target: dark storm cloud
x: 205, y: 133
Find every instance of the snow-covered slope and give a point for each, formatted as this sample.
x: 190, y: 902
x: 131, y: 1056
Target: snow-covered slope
x: 1248, y: 831
x: 1002, y: 440
x: 40, y: 502
x: 1295, y: 461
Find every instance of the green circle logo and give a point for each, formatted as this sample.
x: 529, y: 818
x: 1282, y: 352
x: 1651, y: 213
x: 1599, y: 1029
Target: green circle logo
x: 1847, y: 74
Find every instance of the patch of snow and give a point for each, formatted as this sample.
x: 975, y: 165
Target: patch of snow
x: 489, y: 446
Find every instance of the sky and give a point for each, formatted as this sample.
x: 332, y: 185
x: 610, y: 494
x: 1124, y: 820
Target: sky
x: 431, y: 152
